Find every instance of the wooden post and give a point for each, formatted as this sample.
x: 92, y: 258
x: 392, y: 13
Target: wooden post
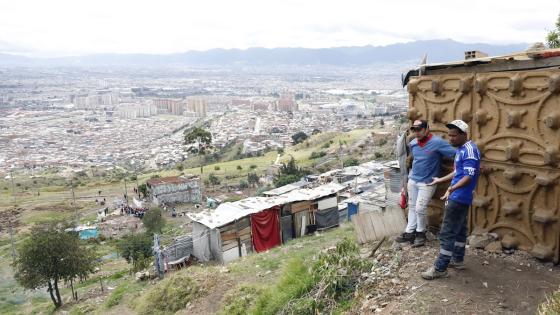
x: 238, y: 238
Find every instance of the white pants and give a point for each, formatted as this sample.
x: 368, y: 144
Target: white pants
x: 419, y: 195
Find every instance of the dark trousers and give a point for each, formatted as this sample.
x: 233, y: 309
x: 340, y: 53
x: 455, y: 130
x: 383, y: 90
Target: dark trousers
x: 453, y: 234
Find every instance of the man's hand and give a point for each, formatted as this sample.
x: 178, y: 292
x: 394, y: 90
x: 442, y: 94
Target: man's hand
x: 446, y: 195
x: 435, y: 181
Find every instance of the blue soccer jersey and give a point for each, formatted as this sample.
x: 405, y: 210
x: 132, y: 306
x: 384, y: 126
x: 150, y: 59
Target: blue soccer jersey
x: 467, y: 163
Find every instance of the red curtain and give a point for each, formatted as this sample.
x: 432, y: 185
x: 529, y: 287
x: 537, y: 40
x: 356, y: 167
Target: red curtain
x: 265, y: 229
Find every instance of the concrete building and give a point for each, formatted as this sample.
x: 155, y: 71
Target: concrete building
x: 172, y: 106
x: 136, y: 111
x: 175, y: 189
x: 197, y: 105
x: 286, y: 103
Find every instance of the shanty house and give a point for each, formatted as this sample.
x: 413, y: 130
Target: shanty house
x: 174, y: 189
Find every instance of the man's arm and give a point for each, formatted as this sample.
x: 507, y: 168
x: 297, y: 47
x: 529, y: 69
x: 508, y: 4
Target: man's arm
x: 446, y: 150
x: 446, y: 178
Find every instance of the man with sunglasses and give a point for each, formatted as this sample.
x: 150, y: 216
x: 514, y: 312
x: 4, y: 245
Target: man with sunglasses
x: 427, y: 152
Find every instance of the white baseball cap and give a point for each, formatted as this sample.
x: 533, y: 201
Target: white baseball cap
x: 458, y: 124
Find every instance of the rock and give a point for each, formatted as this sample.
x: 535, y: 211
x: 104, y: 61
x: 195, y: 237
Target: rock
x: 494, y: 235
x: 494, y: 247
x: 478, y: 231
x: 509, y: 251
x: 430, y: 236
x: 510, y: 241
x: 480, y: 241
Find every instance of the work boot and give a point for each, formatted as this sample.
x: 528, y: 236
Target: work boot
x: 459, y: 265
x: 405, y: 237
x: 420, y: 239
x: 432, y: 274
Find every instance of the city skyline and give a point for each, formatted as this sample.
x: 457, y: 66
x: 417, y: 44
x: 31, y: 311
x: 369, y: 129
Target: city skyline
x: 62, y: 28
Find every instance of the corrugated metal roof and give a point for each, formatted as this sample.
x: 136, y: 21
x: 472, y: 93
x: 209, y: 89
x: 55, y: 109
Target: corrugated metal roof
x: 286, y: 188
x: 526, y: 60
x: 230, y: 211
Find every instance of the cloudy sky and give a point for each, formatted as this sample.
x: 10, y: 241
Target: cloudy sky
x: 69, y: 27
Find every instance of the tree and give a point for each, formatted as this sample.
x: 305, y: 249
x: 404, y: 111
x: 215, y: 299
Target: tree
x: 315, y: 131
x: 289, y: 173
x: 199, y: 136
x: 553, y: 37
x: 213, y: 179
x: 153, y: 221
x: 51, y: 255
x: 299, y: 137
x: 285, y: 180
x: 252, y: 179
x: 135, y: 248
x: 143, y: 189
x: 350, y: 162
x: 239, y: 167
x: 280, y: 150
x: 381, y: 122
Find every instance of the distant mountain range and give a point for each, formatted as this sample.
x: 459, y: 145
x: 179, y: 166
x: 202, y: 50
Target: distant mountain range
x: 436, y: 50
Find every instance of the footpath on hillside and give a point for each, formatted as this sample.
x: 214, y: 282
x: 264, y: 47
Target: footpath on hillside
x: 492, y: 283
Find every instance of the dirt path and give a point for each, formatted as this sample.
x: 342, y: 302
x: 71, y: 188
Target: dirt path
x: 491, y: 284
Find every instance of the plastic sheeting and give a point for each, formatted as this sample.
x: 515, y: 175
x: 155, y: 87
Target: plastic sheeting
x: 201, y: 242
x: 265, y: 229
x: 352, y: 210
x: 301, y: 220
x: 287, y: 229
x: 207, y: 244
x: 343, y: 215
x: 326, y: 218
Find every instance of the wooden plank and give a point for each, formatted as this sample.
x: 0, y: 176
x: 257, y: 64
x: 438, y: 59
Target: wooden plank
x: 371, y: 226
x: 300, y: 206
x: 358, y: 228
x: 229, y: 236
x: 229, y: 246
x: 244, y: 231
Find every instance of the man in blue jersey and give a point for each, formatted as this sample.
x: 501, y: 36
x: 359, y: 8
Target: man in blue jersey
x: 427, y: 151
x: 459, y: 196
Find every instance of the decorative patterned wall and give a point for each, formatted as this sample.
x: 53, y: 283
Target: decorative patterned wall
x: 514, y: 118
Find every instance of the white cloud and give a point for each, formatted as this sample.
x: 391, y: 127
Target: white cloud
x: 166, y: 26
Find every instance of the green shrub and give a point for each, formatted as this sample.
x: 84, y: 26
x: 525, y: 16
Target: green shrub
x: 169, y: 295
x: 295, y: 281
x: 316, y: 155
x: 117, y: 295
x: 240, y: 300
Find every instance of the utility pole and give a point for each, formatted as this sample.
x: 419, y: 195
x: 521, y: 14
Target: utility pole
x: 13, y: 187
x: 74, y: 201
x: 10, y: 220
x: 12, y: 241
x: 137, y: 187
x: 125, y: 192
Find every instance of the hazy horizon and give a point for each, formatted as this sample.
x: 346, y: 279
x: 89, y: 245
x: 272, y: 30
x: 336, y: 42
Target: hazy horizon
x: 69, y: 28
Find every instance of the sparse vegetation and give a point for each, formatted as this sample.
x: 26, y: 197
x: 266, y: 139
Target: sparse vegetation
x: 551, y: 306
x: 169, y: 295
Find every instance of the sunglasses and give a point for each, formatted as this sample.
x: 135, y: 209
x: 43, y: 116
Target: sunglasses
x: 416, y: 128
